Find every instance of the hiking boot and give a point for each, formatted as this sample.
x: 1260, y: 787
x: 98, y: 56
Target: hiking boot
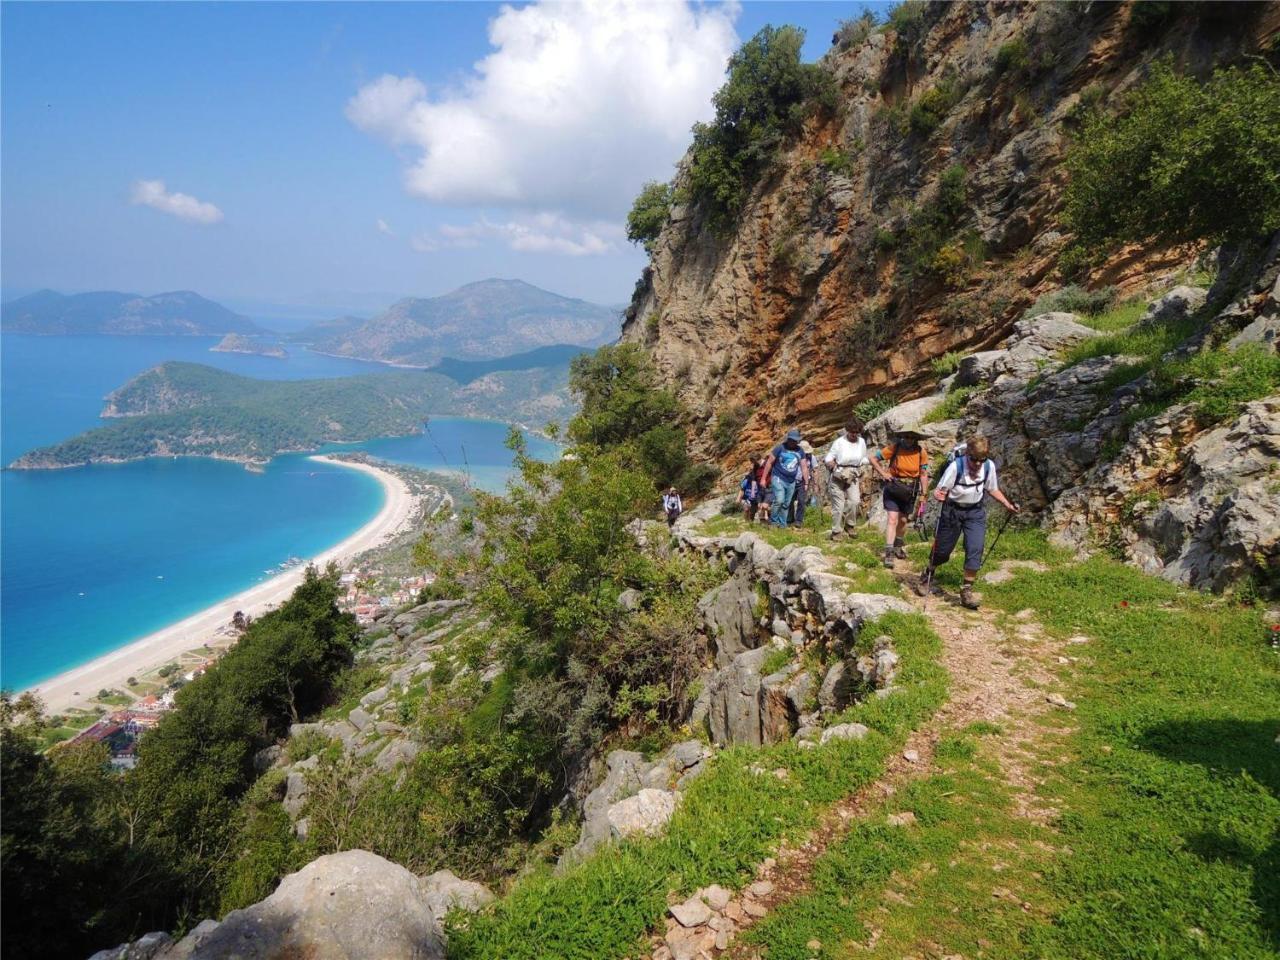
x: 967, y: 599
x: 835, y: 535
x: 900, y: 551
x: 925, y: 585
x: 888, y: 557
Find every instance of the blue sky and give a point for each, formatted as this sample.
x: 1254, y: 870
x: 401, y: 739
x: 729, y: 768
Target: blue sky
x: 322, y: 156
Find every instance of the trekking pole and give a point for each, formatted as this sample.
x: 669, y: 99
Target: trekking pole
x: 1008, y: 515
x: 933, y: 552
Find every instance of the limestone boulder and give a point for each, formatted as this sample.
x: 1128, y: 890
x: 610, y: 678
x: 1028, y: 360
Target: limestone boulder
x: 645, y: 813
x: 729, y: 616
x: 345, y: 906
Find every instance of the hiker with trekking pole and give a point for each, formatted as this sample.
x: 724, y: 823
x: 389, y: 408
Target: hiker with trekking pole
x: 962, y: 490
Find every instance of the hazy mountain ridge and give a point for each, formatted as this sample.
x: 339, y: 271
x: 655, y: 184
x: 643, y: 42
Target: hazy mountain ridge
x: 482, y: 320
x: 176, y: 313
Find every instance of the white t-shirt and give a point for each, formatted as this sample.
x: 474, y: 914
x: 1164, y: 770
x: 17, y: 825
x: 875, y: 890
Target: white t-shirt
x: 968, y: 489
x: 846, y: 453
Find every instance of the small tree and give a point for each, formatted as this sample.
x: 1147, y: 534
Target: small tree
x: 1183, y: 162
x: 649, y: 214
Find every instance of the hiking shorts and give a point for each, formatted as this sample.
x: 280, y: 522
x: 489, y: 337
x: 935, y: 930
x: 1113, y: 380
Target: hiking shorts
x: 956, y: 522
x: 899, y: 497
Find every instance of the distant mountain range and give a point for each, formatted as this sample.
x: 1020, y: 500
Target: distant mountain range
x: 180, y: 313
x: 481, y: 321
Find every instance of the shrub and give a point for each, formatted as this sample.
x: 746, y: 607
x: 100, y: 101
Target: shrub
x: 1183, y: 162
x: 947, y: 364
x: 837, y: 161
x: 728, y: 425
x: 1072, y: 299
x: 1013, y: 56
x: 930, y: 108
x: 854, y: 32
x: 649, y: 214
x: 952, y: 405
x: 930, y: 228
x: 872, y: 407
x: 864, y: 333
x: 906, y: 20
x: 766, y: 97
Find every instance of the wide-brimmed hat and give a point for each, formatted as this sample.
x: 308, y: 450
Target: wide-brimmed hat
x: 794, y: 434
x: 806, y: 446
x: 910, y: 433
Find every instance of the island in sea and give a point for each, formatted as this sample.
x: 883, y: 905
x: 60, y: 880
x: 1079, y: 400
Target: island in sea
x: 179, y: 313
x: 189, y: 409
x: 237, y: 343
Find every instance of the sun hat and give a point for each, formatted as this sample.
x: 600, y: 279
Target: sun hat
x: 806, y: 446
x: 911, y: 433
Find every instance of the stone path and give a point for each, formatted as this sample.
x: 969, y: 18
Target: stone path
x: 999, y: 674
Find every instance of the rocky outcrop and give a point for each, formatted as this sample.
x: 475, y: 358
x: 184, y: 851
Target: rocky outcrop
x: 814, y: 302
x: 1191, y: 500
x: 636, y: 796
x: 345, y: 906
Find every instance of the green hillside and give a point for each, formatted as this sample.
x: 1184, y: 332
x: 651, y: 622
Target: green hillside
x: 188, y: 409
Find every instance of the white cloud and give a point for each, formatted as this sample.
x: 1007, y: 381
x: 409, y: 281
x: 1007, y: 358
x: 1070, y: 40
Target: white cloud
x: 152, y: 193
x: 384, y: 227
x: 536, y: 233
x: 578, y: 105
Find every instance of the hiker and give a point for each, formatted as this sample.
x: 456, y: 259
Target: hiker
x: 906, y: 476
x: 785, y: 466
x: 672, y: 506
x: 845, y: 463
x: 962, y: 490
x: 749, y: 490
x: 805, y: 485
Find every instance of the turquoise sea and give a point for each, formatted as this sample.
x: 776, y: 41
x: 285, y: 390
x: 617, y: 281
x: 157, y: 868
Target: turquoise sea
x: 92, y: 558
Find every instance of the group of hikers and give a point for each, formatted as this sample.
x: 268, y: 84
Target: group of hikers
x: 778, y: 487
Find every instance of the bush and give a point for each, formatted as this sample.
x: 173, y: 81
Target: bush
x: 906, y: 20
x: 1013, y: 56
x: 855, y: 31
x: 872, y: 407
x: 952, y: 405
x: 766, y: 97
x: 932, y: 226
x: 837, y: 161
x: 649, y: 214
x: 728, y: 425
x: 1072, y: 299
x: 930, y: 108
x: 1183, y: 162
x: 623, y: 406
x: 864, y: 333
x: 947, y: 364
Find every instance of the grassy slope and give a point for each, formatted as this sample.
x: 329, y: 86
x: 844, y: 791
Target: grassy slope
x: 1166, y: 844
x: 729, y: 820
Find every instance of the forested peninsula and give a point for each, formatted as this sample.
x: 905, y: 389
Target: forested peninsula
x: 188, y: 409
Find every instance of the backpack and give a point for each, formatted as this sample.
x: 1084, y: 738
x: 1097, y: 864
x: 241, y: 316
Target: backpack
x: 962, y: 470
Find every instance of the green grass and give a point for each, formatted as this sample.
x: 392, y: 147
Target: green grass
x: 1171, y: 803
x: 730, y: 819
x: 952, y: 405
x: 1167, y: 839
x: 940, y: 868
x: 1120, y: 317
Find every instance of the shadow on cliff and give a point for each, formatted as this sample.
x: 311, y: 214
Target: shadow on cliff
x: 1226, y: 748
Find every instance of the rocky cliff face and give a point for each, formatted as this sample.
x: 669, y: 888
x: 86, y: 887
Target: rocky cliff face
x: 819, y: 299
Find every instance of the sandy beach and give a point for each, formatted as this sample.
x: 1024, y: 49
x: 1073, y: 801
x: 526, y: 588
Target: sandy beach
x: 75, y: 687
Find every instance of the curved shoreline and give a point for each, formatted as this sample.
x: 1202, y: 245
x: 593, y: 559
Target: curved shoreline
x: 77, y: 686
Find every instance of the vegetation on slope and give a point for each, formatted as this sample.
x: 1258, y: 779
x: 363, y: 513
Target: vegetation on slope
x: 187, y: 409
x: 767, y: 96
x: 90, y: 858
x: 1183, y: 161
